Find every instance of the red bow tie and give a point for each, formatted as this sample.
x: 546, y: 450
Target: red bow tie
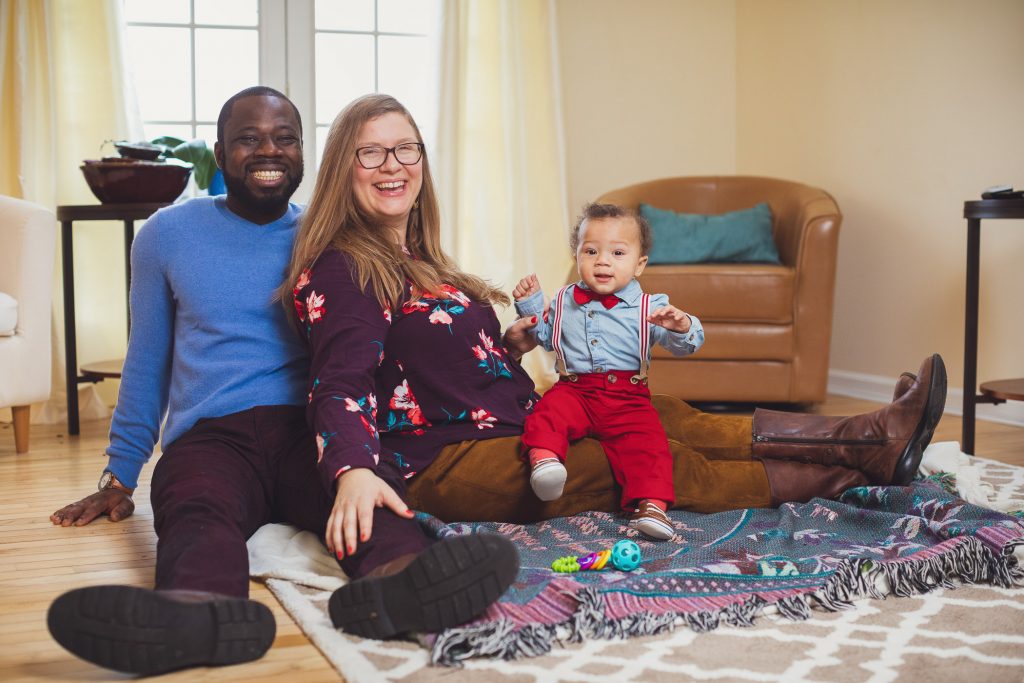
x: 582, y: 296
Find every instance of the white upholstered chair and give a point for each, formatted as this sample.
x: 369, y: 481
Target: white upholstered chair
x: 28, y: 239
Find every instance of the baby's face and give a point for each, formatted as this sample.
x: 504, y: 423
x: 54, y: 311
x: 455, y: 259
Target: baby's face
x: 608, y: 256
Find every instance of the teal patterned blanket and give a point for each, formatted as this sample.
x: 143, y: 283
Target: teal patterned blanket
x: 731, y: 566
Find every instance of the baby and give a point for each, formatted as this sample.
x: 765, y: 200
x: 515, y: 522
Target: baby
x: 601, y: 330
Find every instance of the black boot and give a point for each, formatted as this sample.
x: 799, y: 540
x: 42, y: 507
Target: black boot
x: 149, y: 632
x: 886, y: 445
x: 449, y: 583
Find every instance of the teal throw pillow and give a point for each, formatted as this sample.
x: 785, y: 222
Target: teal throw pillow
x: 743, y: 236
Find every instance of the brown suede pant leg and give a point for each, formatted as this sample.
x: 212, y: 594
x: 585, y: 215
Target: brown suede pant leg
x: 716, y: 437
x: 488, y: 481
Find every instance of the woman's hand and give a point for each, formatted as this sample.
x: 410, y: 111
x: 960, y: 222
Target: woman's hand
x: 359, y: 491
x: 114, y: 503
x: 517, y: 338
x: 671, y: 318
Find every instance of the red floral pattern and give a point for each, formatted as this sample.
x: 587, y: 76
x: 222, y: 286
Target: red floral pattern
x: 303, y: 280
x: 406, y: 413
x: 483, y: 419
x: 315, y: 307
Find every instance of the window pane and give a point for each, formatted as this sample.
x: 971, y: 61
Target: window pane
x: 405, y: 16
x: 172, y: 130
x: 344, y: 71
x: 404, y: 71
x: 160, y: 64
x: 159, y: 11
x: 227, y: 60
x: 227, y: 12
x: 343, y: 15
x: 208, y: 133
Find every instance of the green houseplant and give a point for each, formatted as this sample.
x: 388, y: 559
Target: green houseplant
x: 194, y: 152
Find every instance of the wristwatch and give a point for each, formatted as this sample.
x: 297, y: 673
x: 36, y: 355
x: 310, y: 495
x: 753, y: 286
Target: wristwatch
x: 109, y: 481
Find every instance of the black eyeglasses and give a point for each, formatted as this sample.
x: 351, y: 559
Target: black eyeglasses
x: 407, y: 154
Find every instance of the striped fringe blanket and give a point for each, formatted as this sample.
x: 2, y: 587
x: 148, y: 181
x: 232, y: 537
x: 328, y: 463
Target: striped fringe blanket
x: 731, y: 566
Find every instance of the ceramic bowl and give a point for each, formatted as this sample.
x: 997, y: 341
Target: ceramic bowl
x: 118, y: 180
x: 138, y: 150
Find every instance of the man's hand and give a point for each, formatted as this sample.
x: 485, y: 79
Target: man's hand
x: 114, y: 503
x: 359, y: 491
x: 671, y: 318
x: 527, y: 287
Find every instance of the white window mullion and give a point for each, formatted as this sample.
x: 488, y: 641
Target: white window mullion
x: 273, y: 44
x: 299, y: 56
x: 192, y: 61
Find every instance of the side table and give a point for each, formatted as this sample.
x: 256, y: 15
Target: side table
x: 996, y: 391
x: 67, y: 215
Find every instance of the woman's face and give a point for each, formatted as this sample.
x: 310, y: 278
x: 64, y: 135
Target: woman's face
x: 387, y: 193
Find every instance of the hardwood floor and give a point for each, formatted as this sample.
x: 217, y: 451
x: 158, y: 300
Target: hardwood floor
x: 39, y: 561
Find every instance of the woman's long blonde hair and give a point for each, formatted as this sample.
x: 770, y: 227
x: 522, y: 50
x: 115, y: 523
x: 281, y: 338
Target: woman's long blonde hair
x: 333, y: 219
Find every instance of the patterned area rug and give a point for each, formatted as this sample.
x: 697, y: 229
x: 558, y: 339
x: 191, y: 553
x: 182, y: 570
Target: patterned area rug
x: 768, y: 570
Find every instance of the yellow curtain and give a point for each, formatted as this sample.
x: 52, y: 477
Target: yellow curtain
x: 501, y: 167
x: 64, y: 92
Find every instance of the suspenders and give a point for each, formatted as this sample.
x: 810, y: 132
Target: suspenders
x: 644, y: 337
x: 556, y: 333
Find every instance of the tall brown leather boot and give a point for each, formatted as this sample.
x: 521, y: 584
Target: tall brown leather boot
x: 797, y: 482
x: 903, y: 384
x: 886, y: 445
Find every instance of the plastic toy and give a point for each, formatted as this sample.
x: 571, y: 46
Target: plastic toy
x: 624, y: 556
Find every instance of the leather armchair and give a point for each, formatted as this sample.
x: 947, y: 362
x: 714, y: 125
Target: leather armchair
x: 768, y: 327
x: 28, y: 234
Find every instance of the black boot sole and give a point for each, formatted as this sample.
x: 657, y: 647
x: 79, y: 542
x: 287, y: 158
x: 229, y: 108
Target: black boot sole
x: 910, y: 460
x: 448, y: 584
x: 141, y: 631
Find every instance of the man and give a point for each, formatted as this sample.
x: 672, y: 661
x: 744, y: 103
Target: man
x: 212, y: 350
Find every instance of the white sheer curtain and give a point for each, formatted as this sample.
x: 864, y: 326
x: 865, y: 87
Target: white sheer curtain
x: 501, y: 162
x: 64, y: 92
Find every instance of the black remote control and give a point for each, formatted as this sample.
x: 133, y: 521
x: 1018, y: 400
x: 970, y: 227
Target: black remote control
x: 1002, y: 192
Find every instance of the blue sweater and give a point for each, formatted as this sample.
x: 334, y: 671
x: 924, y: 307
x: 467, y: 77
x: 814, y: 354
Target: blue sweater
x: 207, y: 339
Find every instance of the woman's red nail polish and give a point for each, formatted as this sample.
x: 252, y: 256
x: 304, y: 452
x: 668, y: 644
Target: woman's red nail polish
x: 534, y: 319
x: 351, y: 550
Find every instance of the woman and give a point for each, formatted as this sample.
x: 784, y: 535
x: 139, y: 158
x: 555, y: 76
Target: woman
x: 415, y: 400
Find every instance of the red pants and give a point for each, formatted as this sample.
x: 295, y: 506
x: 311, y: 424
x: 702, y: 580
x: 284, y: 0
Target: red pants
x: 619, y: 414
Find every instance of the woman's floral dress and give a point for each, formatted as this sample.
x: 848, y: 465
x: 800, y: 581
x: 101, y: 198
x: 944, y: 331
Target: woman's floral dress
x: 406, y: 383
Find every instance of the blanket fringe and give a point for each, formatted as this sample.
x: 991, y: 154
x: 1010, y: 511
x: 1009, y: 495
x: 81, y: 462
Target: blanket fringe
x: 589, y: 621
x: 969, y: 562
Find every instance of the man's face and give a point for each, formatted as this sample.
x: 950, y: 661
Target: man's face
x: 260, y: 157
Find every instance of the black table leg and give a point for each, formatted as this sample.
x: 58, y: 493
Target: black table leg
x: 971, y: 334
x: 70, y: 341
x: 129, y: 237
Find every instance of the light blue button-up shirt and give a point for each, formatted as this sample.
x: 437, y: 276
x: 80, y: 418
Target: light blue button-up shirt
x: 599, y: 339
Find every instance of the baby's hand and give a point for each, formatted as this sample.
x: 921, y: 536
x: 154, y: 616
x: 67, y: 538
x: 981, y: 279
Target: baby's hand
x: 671, y: 318
x: 527, y: 287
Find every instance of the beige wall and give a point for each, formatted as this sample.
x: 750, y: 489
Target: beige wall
x: 901, y: 109
x: 648, y: 91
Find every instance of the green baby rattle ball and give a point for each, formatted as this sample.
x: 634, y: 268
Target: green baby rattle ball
x: 625, y: 555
